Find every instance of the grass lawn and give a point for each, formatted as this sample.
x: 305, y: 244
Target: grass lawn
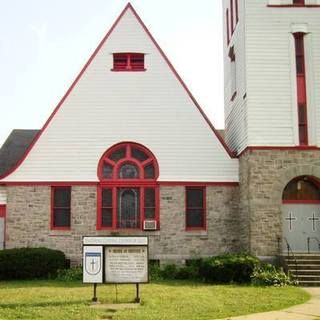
x: 52, y: 300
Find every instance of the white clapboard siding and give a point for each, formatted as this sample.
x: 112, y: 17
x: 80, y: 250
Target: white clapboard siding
x: 3, y: 195
x: 265, y: 58
x: 272, y: 106
x: 236, y: 110
x: 104, y: 108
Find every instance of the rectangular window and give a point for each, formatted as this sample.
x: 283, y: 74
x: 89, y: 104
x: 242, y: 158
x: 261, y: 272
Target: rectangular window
x: 298, y: 2
x: 227, y: 26
x: 233, y: 74
x: 149, y: 203
x: 195, y: 208
x: 61, y: 208
x: 237, y: 11
x: 231, y: 18
x: 128, y: 62
x: 106, y: 207
x: 301, y: 88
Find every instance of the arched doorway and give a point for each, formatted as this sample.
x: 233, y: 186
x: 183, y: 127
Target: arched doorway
x: 301, y: 214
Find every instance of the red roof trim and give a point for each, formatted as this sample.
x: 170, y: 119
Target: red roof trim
x: 261, y: 148
x: 96, y: 183
x: 38, y: 135
x: 199, y: 184
x: 128, y: 6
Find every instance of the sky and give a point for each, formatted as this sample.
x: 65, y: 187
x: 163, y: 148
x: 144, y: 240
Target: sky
x: 45, y: 43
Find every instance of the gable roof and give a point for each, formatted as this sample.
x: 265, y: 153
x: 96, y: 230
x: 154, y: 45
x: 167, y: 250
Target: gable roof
x: 128, y: 9
x: 14, y: 148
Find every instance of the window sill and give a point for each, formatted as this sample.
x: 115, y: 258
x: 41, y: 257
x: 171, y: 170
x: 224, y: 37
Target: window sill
x: 128, y: 70
x: 202, y: 234
x: 60, y: 232
x: 196, y: 231
x: 60, y: 229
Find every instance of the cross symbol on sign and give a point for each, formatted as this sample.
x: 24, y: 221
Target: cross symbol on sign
x: 290, y: 218
x: 313, y: 219
x: 92, y: 264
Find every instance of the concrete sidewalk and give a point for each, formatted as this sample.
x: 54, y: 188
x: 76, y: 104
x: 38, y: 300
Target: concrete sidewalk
x: 307, y: 311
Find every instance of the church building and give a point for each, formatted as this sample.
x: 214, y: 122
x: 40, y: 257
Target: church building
x: 129, y: 151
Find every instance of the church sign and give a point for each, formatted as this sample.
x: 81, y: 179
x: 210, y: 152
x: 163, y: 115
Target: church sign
x: 115, y: 260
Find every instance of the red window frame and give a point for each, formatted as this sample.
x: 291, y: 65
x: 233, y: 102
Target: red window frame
x: 301, y: 88
x: 295, y: 3
x: 54, y: 207
x: 2, y: 210
x: 233, y: 76
x: 237, y: 11
x: 128, y: 61
x: 227, y: 25
x: 203, y: 208
x: 232, y: 16
x: 115, y: 183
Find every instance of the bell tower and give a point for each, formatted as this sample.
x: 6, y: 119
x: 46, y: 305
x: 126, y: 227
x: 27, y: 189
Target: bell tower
x: 272, y: 108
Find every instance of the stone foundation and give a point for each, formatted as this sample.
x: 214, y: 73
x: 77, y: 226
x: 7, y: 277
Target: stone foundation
x: 28, y: 223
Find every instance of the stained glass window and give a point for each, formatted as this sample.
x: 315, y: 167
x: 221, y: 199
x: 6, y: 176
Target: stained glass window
x: 128, y: 208
x: 127, y: 194
x: 128, y: 171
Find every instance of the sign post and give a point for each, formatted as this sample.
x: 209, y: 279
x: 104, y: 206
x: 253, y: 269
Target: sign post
x: 116, y: 260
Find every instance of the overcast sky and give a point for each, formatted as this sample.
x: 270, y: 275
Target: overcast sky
x: 45, y: 43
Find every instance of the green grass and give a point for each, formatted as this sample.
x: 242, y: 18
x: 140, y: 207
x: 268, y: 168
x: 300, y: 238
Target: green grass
x: 52, y: 300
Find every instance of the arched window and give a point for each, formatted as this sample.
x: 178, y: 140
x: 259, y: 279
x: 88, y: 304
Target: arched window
x: 128, y: 192
x: 302, y: 189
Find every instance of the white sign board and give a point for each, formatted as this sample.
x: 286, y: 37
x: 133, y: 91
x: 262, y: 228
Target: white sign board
x: 92, y: 264
x: 126, y: 264
x: 106, y: 241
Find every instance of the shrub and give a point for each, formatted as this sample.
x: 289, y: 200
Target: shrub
x: 228, y: 268
x: 155, y: 272
x: 30, y: 263
x: 69, y: 275
x: 169, y: 272
x: 174, y: 272
x: 269, y: 275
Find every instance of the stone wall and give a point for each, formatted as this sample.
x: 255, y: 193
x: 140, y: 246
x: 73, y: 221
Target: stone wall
x: 28, y: 223
x: 263, y: 177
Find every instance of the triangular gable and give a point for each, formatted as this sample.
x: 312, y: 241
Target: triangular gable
x: 80, y: 97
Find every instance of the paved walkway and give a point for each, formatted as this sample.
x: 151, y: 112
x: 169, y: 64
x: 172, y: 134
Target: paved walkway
x: 307, y: 311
